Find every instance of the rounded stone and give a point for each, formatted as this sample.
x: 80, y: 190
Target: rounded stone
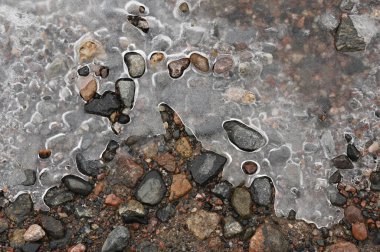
x: 135, y: 63
x: 151, y: 189
x: 200, y: 62
x: 241, y: 201
x: 223, y: 65
x: 34, y: 233
x: 177, y: 67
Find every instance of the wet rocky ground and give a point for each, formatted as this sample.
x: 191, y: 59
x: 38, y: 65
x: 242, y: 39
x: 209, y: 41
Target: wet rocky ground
x: 167, y: 193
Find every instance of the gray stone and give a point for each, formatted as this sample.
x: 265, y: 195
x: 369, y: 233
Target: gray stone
x: 105, y: 105
x: 206, y: 166
x: 241, y: 201
x: 335, y: 178
x: 347, y: 38
x: 89, y: 167
x: 222, y: 190
x: 244, y: 137
x: 261, y: 191
x: 31, y: 247
x: 77, y: 185
x: 147, y: 246
x: 135, y: 63
x: 117, y: 240
x: 151, y: 189
x: 133, y: 212
x: 52, y: 227
x: 342, y: 162
x: 3, y: 225
x: 125, y: 87
x: 57, y: 196
x: 231, y: 227
x: 20, y: 209
x: 353, y: 153
x: 337, y: 199
x: 83, y: 212
x: 165, y: 213
x: 30, y: 177
x: 374, y: 178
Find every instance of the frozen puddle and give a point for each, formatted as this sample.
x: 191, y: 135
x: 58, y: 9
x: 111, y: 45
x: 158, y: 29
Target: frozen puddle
x: 181, y: 55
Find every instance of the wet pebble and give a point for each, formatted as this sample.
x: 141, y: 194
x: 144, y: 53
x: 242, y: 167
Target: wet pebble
x: 183, y: 147
x: 84, y: 71
x: 222, y: 190
x: 177, y: 67
x: 353, y: 153
x: 3, y: 225
x: 53, y: 227
x: 31, y: 247
x: 30, y: 177
x: 151, y: 189
x: 261, y: 191
x: 200, y: 62
x: 203, y: 223
x: 249, y: 167
x: 34, y: 233
x: 359, y: 231
x: 127, y: 171
x: 88, y: 167
x: 279, y: 156
x: 77, y: 185
x: 44, y: 153
x: 244, y: 137
x: 374, y: 178
x: 241, y: 201
x: 105, y: 105
x: 342, y: 246
x: 268, y: 238
x: 223, y: 65
x: 20, y: 209
x: 156, y: 58
x: 116, y: 240
x: 335, y: 178
x: 231, y: 227
x: 57, y: 196
x: 77, y: 248
x: 132, y: 212
x: 16, y: 239
x: 88, y: 91
x: 165, y: 213
x: 135, y: 63
x: 103, y: 71
x: 353, y: 214
x: 337, y: 199
x: 184, y: 7
x: 180, y: 186
x: 139, y: 22
x: 342, y: 162
x: 125, y: 88
x: 347, y: 38
x: 206, y: 166
x: 110, y: 151
x: 82, y: 211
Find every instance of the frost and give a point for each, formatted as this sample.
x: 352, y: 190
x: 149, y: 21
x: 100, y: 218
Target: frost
x: 39, y: 111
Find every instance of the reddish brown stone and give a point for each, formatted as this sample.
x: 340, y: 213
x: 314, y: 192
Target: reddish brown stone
x: 44, y: 153
x: 77, y: 248
x: 342, y: 246
x: 99, y: 187
x: 249, y: 167
x: 128, y: 172
x: 180, y: 186
x: 167, y: 161
x: 359, y: 231
x: 113, y: 200
x: 353, y: 214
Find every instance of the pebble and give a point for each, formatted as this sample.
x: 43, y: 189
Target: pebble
x: 44, y: 153
x: 184, y: 7
x: 3, y: 225
x: 261, y: 191
x: 135, y: 63
x: 105, y: 105
x: 82, y: 211
x: 279, y: 156
x: 183, y: 147
x: 156, y: 58
x: 180, y: 186
x: 241, y: 201
x: 57, y: 196
x: 31, y: 247
x: 90, y: 49
x: 112, y: 200
x: 342, y: 162
x: 268, y: 238
x: 348, y: 138
x: 77, y: 185
x: 116, y: 240
x: 200, y: 62
x: 342, y: 246
x: 17, y: 238
x: 249, y: 167
x: 110, y: 151
x: 127, y: 171
x: 335, y: 178
x: 203, y: 223
x: 353, y: 214
x: 125, y: 88
x: 337, y: 199
x: 222, y: 190
x: 177, y: 67
x: 165, y: 213
x: 77, y: 248
x: 374, y: 178
x: 20, y: 209
x: 52, y: 227
x: 139, y: 22
x: 34, y: 233
x: 231, y: 227
x: 123, y: 119
x: 166, y: 161
x: 223, y: 65
x: 103, y: 71
x: 84, y: 71
x: 244, y: 137
x: 31, y: 177
x: 206, y: 166
x: 151, y: 189
x: 89, y: 167
x: 347, y: 38
x: 133, y: 212
x: 353, y: 153
x: 359, y: 231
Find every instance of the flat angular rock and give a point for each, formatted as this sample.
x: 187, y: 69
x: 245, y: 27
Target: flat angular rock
x: 125, y: 88
x: 347, y: 38
x: 151, y: 189
x: 127, y: 171
x: 335, y: 178
x: 117, y: 240
x: 231, y: 227
x: 261, y: 191
x: 342, y: 162
x: 135, y: 63
x: 268, y: 238
x: 77, y: 185
x: 19, y: 210
x: 206, y: 166
x: 222, y: 190
x: 203, y: 223
x: 53, y: 227
x: 244, y: 137
x: 88, y: 167
x: 353, y: 153
x: 108, y: 103
x: 133, y: 212
x: 57, y: 196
